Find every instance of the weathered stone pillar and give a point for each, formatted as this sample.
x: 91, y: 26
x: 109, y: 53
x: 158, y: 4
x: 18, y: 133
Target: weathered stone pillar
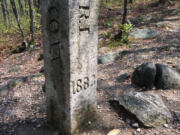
x: 70, y: 38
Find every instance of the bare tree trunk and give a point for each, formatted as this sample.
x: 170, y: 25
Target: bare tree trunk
x: 37, y: 4
x: 26, y: 6
x: 119, y: 35
x: 125, y: 12
x: 21, y: 7
x: 31, y: 14
x: 17, y: 18
x: 4, y: 12
x: 26, y: 3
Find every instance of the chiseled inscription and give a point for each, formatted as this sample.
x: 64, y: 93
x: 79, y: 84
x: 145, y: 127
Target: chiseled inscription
x: 53, y: 22
x: 83, y: 84
x: 84, y: 18
x: 54, y: 26
x: 55, y: 50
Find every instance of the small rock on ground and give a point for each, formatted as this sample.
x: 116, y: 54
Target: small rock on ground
x: 123, y: 77
x: 108, y: 58
x: 144, y: 33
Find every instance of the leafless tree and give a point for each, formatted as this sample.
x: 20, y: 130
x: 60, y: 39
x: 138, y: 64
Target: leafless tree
x: 31, y: 14
x: 3, y: 7
x: 17, y: 19
x: 21, y: 7
x: 119, y: 35
x: 6, y: 10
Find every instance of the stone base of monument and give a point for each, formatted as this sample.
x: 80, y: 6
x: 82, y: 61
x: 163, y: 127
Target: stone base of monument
x: 83, y: 121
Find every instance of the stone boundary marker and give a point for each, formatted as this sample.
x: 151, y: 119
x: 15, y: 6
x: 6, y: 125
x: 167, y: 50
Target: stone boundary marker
x: 70, y: 38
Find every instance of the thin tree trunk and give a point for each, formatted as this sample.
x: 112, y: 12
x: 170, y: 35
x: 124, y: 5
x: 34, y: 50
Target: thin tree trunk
x: 31, y: 15
x: 26, y: 3
x: 37, y: 4
x: 17, y: 18
x: 4, y: 12
x: 26, y: 6
x: 125, y: 12
x: 119, y: 35
x: 21, y: 7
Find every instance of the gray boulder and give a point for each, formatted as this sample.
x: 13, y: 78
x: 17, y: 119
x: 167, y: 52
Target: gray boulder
x: 141, y: 19
x: 108, y: 57
x: 166, y: 77
x: 144, y: 33
x: 144, y: 75
x: 148, y: 108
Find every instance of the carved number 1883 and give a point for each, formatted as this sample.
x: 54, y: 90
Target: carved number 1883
x: 83, y: 84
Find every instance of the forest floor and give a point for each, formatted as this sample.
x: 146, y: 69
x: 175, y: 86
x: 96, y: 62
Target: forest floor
x: 23, y: 107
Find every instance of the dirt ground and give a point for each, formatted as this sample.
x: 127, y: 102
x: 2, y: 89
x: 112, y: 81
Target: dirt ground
x: 23, y: 109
